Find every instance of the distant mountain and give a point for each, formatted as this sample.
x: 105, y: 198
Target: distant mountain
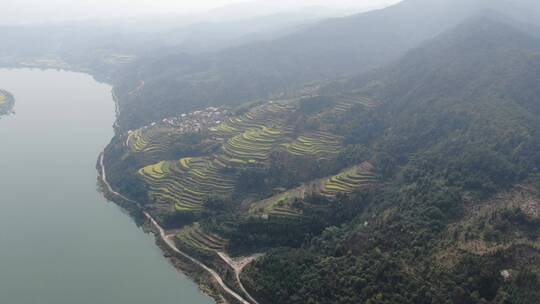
x: 457, y: 136
x: 330, y: 49
x: 101, y: 47
x: 261, y: 8
x: 211, y: 36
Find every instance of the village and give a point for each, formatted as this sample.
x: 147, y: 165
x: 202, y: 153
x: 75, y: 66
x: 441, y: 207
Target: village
x: 196, y: 121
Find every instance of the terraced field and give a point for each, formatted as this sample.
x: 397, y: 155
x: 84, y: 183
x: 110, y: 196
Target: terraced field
x: 251, y: 147
x: 345, y: 103
x: 348, y: 181
x: 157, y: 138
x: 186, y: 184
x: 319, y: 145
x: 345, y: 182
x: 281, y: 206
x: 246, y: 140
x: 270, y: 115
x: 152, y: 141
x: 194, y: 237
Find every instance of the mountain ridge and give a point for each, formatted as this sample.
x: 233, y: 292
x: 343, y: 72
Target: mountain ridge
x: 447, y: 154
x: 338, y: 47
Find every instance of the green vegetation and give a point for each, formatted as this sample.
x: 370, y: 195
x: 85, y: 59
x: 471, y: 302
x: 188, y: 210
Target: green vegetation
x: 292, y: 203
x: 195, y: 238
x: 349, y: 180
x: 346, y: 103
x: 179, y: 82
x: 446, y: 146
x: 139, y: 141
x: 187, y: 183
x: 271, y: 115
x: 245, y: 142
x: 251, y: 147
x: 156, y: 143
x: 319, y: 145
x: 379, y: 188
x: 448, y: 212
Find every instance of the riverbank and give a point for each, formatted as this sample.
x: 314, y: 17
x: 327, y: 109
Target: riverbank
x: 208, y: 279
x: 74, y: 240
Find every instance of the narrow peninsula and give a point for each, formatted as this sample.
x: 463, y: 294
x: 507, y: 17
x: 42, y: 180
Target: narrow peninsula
x: 6, y: 102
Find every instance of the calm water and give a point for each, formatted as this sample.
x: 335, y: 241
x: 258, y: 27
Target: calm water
x: 60, y: 241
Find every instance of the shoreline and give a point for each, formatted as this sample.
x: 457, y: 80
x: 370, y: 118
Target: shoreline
x: 208, y: 280
x: 98, y: 76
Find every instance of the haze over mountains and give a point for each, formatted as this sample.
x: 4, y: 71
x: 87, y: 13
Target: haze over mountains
x: 390, y: 156
x: 166, y: 11
x: 329, y: 49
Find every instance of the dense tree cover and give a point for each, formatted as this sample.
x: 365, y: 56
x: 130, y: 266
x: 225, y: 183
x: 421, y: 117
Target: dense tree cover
x: 457, y: 124
x: 250, y: 234
x: 284, y: 171
x: 453, y: 123
x: 253, y: 234
x: 473, y: 124
x: 389, y: 259
x: 122, y: 174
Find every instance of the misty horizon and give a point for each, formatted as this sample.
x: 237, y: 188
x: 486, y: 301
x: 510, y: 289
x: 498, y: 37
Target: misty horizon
x: 270, y: 151
x: 57, y: 11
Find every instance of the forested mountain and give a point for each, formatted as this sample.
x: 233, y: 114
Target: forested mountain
x: 386, y: 157
x: 330, y: 49
x: 417, y: 182
x: 483, y: 73
x: 455, y: 133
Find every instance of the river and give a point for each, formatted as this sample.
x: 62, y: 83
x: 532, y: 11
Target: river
x: 61, y: 242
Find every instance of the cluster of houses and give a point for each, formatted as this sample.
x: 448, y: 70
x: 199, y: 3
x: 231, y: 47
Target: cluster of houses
x: 197, y: 121
x: 193, y: 122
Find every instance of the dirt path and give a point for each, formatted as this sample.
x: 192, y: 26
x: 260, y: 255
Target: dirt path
x: 238, y: 266
x: 170, y: 243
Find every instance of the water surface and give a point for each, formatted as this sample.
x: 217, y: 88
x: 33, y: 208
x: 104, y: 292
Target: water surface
x: 60, y: 241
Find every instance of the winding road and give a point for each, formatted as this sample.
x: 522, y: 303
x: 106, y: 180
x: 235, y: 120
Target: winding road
x: 238, y: 266
x: 170, y: 243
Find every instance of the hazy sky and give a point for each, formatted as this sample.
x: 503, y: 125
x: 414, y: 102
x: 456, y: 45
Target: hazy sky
x: 25, y: 11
